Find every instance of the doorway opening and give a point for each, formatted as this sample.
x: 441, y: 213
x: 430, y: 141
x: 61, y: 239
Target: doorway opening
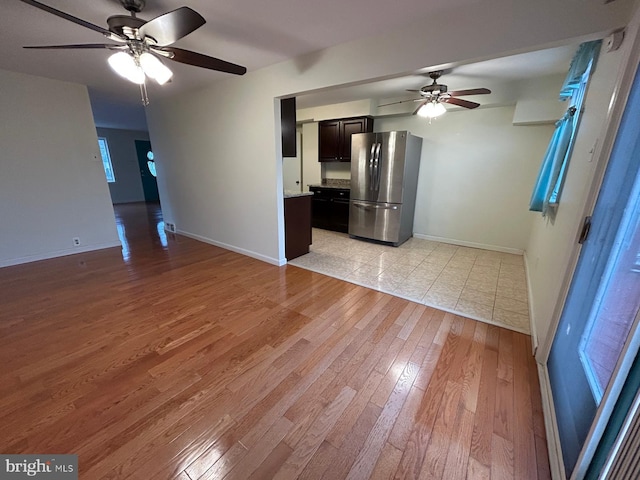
x: 146, y: 163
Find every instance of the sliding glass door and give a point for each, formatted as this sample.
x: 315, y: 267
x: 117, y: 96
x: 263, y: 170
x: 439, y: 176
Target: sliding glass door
x: 597, y: 338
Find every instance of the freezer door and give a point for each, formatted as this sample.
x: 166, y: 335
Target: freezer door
x: 363, y: 153
x: 376, y: 221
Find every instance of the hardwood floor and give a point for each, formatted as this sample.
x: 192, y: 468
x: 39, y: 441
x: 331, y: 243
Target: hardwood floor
x: 188, y: 361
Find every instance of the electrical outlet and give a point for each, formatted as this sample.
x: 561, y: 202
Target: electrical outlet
x: 170, y: 227
x: 76, y: 241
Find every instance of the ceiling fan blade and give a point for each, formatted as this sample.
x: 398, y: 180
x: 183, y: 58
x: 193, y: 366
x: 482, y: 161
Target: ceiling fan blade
x: 200, y: 60
x: 471, y: 91
x: 460, y: 102
x: 172, y: 26
x: 409, y: 90
x: 71, y: 18
x: 419, y: 107
x: 401, y: 101
x: 79, y: 46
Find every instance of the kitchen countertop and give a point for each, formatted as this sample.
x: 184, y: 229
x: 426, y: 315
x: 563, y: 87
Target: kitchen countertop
x: 336, y: 186
x: 292, y: 194
x: 342, y: 183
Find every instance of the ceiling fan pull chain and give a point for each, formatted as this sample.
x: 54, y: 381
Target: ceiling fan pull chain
x: 143, y: 93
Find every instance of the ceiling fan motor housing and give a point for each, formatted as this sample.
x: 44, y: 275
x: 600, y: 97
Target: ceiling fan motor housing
x: 134, y: 6
x: 124, y: 25
x: 434, y: 89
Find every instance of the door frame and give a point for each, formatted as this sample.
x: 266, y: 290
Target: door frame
x: 601, y: 154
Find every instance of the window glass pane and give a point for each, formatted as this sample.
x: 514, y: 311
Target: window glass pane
x: 152, y: 168
x: 617, y: 303
x: 106, y: 159
x: 151, y: 164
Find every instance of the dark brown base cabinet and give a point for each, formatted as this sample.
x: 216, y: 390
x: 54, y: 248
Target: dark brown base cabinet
x: 330, y: 209
x: 297, y: 226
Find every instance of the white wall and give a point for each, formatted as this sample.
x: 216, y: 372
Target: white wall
x: 292, y: 167
x: 218, y: 177
x: 357, y: 108
x: 124, y: 158
x: 218, y: 148
x: 311, y: 168
x: 538, y: 101
x: 336, y: 170
x: 52, y: 183
x: 553, y: 243
x: 476, y: 175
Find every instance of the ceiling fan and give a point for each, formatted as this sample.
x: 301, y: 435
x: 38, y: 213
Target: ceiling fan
x: 141, y: 45
x: 434, y: 95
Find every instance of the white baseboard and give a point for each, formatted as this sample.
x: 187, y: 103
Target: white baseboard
x: 241, y: 251
x: 464, y: 243
x: 532, y: 323
x: 58, y: 253
x: 551, y: 426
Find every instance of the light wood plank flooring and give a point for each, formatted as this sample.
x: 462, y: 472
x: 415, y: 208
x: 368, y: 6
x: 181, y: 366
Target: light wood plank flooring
x: 188, y: 361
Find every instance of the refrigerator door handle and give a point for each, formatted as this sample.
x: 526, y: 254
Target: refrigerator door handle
x: 371, y: 168
x: 377, y: 166
x: 368, y: 206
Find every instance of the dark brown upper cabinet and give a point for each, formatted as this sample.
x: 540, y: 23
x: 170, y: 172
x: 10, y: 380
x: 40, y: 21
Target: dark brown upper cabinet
x: 288, y: 124
x: 334, y: 137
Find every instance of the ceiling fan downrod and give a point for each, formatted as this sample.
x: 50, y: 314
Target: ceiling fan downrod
x: 133, y: 6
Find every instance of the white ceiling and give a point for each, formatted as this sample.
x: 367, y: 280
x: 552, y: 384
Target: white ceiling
x: 253, y: 33
x: 492, y: 74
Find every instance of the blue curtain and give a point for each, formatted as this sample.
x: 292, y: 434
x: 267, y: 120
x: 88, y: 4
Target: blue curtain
x: 554, y: 164
x: 587, y: 52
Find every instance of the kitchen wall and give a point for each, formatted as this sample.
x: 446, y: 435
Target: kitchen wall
x: 356, y: 108
x: 124, y: 158
x: 292, y: 167
x: 52, y: 183
x: 552, y: 247
x: 476, y: 174
x: 311, y: 168
x: 338, y: 170
x: 221, y: 162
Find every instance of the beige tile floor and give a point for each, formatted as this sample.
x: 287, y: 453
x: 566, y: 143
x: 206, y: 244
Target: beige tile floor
x: 480, y: 284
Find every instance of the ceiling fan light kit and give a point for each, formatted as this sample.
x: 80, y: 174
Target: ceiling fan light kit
x: 431, y: 109
x: 125, y: 66
x: 140, y: 43
x: 137, y: 68
x: 154, y: 68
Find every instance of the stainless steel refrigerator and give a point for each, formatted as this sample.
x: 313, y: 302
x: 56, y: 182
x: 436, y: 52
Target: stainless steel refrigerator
x: 384, y: 180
